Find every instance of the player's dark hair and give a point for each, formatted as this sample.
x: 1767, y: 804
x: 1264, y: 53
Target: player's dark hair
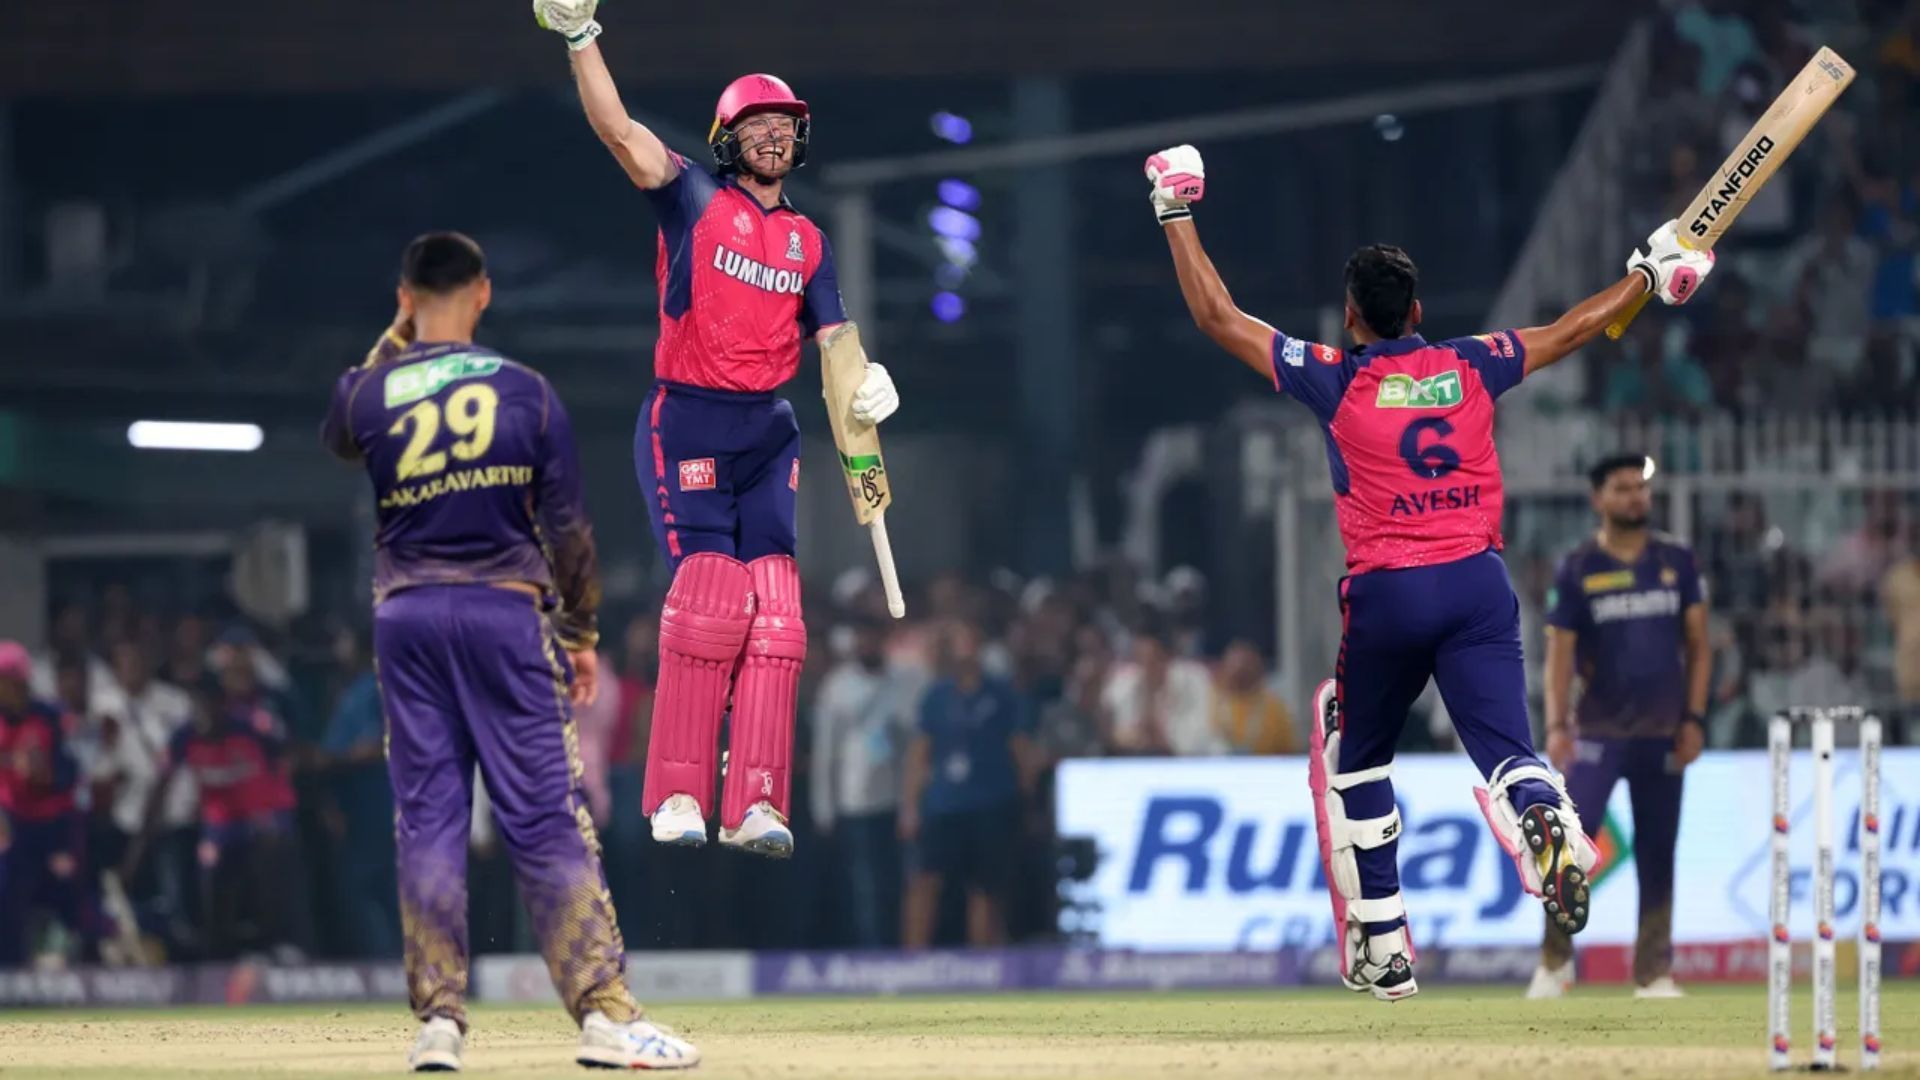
x: 441, y: 262
x: 1381, y: 282
x: 1613, y: 463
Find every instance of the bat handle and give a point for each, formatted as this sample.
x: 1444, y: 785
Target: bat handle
x: 1619, y: 326
x: 889, y: 576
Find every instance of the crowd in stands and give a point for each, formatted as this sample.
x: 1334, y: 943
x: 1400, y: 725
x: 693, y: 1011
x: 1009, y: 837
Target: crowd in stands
x: 1814, y: 306
x: 176, y: 789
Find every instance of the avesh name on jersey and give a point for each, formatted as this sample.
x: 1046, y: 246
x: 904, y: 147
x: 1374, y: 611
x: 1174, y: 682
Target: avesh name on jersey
x: 1426, y: 502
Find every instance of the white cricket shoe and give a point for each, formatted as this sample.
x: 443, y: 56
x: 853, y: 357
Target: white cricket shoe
x: 1550, y: 982
x: 438, y: 1047
x: 641, y: 1044
x: 1661, y: 988
x: 679, y: 822
x: 1384, y: 967
x: 762, y: 832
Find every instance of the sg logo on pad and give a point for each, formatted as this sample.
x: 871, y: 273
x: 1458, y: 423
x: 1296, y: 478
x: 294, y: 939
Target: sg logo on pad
x: 697, y: 475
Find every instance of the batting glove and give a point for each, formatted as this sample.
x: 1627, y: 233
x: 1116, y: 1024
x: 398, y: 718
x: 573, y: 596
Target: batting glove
x: 876, y: 399
x: 1179, y: 179
x: 1674, y: 272
x: 571, y: 19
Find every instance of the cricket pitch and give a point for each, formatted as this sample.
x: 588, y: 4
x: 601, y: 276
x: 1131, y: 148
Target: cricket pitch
x: 1444, y: 1032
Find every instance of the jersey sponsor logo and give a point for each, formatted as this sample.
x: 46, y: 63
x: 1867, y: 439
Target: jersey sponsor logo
x: 743, y: 223
x: 793, y: 476
x: 1645, y: 604
x: 1669, y: 576
x: 413, y: 382
x: 697, y: 475
x: 1420, y: 503
x: 1326, y: 354
x: 1295, y: 353
x: 760, y: 276
x: 1499, y: 343
x: 1611, y: 581
x: 795, y: 253
x: 1440, y: 391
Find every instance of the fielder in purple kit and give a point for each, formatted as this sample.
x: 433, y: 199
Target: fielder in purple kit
x: 1627, y: 617
x: 484, y: 626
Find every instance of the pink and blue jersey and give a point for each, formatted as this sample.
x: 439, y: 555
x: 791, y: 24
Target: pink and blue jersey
x: 739, y: 283
x: 1409, y: 430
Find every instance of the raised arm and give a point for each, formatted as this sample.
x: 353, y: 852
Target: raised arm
x: 1549, y: 344
x: 1668, y: 269
x: 1179, y: 179
x: 1212, y: 307
x: 639, y: 151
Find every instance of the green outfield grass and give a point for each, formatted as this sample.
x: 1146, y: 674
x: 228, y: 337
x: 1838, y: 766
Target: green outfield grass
x: 1450, y: 1032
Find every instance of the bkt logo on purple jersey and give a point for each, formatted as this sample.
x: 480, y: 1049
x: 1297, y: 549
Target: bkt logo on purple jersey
x: 759, y: 275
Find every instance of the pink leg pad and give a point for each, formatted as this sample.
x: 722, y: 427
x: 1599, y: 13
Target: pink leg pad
x: 760, y: 757
x: 703, y: 624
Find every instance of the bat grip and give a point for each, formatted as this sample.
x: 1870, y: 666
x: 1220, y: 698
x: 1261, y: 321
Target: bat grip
x: 889, y: 576
x: 1619, y: 326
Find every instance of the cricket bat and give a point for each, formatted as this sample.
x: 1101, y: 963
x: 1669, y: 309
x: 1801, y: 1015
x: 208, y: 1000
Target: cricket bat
x: 843, y: 363
x: 1755, y: 158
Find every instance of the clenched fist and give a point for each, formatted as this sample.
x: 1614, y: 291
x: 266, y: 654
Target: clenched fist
x: 1674, y: 272
x: 1179, y: 179
x: 571, y: 19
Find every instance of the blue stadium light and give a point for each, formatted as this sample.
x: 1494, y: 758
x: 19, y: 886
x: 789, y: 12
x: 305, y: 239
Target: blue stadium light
x: 1388, y: 127
x: 950, y: 275
x: 953, y: 224
x: 954, y: 129
x: 960, y: 195
x: 958, y: 252
x: 948, y: 307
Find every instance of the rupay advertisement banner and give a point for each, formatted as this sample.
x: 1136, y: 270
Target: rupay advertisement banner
x: 1203, y: 854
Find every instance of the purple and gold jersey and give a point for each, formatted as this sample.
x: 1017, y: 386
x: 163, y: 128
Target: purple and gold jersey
x: 474, y: 475
x: 1630, y: 638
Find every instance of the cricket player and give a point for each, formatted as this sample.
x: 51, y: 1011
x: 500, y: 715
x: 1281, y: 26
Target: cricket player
x: 1416, y: 480
x: 484, y: 576
x: 742, y: 276
x: 1627, y: 615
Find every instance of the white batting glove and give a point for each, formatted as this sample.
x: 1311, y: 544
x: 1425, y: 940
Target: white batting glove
x: 876, y: 399
x: 1674, y: 272
x: 571, y: 19
x: 1179, y: 179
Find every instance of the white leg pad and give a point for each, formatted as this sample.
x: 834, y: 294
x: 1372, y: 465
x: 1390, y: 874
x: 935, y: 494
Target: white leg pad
x: 1341, y: 837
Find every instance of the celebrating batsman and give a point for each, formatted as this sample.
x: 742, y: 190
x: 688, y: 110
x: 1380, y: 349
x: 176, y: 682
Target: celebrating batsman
x: 1416, y: 479
x: 741, y: 275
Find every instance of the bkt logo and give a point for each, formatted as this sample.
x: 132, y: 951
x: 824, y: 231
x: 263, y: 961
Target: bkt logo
x: 1450, y: 868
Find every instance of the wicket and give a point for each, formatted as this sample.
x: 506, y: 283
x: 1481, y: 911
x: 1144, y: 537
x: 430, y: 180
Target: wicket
x: 1780, y: 943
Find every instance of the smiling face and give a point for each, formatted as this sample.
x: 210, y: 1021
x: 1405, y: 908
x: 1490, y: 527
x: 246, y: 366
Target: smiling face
x: 766, y: 145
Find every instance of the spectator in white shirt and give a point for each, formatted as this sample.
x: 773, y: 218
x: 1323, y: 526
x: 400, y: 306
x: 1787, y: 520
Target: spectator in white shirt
x: 132, y: 762
x: 863, y: 720
x: 1159, y: 705
x: 71, y: 636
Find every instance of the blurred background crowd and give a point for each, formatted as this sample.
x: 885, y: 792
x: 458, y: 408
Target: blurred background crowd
x: 1816, y: 308
x: 193, y: 763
